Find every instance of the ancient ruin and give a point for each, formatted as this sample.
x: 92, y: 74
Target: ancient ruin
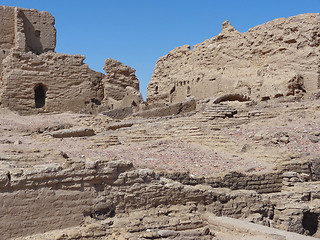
x: 275, y: 59
x: 226, y: 146
x: 121, y: 86
x: 33, y: 78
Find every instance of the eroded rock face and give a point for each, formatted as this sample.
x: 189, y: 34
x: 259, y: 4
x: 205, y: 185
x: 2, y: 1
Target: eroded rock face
x: 278, y: 58
x: 121, y: 86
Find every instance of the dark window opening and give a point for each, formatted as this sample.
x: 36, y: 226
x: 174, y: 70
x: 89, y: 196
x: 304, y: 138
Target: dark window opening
x: 310, y: 222
x: 134, y: 104
x: 4, y: 52
x: 156, y: 90
x: 40, y: 96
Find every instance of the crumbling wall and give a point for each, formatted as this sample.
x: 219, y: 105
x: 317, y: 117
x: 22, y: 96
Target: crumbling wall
x: 56, y: 196
x: 35, y: 31
x: 49, y: 197
x: 274, y: 59
x: 33, y: 78
x: 27, y: 61
x: 121, y: 86
x: 7, y: 37
x: 69, y: 83
x: 26, y: 30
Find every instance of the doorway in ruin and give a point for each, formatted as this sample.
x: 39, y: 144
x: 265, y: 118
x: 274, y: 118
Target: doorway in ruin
x: 40, y: 95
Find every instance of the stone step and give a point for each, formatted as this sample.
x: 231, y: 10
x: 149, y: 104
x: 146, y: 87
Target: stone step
x: 240, y: 229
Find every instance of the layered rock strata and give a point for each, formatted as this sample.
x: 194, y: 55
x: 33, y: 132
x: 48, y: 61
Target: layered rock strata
x: 275, y: 59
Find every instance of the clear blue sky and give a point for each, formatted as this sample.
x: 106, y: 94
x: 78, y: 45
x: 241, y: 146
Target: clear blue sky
x: 138, y: 32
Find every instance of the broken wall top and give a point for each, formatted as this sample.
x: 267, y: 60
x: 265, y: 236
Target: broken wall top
x: 257, y: 63
x: 26, y: 30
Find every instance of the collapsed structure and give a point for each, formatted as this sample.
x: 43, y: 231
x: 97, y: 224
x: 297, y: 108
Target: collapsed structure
x: 275, y: 59
x: 72, y: 176
x: 33, y: 78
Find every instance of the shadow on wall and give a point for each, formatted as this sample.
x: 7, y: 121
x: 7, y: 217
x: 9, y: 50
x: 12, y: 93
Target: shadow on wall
x: 33, y: 36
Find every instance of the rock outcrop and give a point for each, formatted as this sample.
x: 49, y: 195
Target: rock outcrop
x: 278, y: 58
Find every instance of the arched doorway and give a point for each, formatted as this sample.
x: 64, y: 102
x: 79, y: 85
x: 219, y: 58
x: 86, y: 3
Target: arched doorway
x: 40, y: 95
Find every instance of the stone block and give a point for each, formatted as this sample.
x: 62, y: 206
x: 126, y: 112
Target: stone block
x: 73, y: 132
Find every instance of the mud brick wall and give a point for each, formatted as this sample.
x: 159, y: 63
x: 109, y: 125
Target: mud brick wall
x: 68, y: 83
x: 262, y: 183
x: 299, y: 167
x: 49, y: 197
x: 277, y: 55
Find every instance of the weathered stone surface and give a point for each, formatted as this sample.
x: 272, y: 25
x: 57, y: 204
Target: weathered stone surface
x: 73, y: 132
x: 110, y: 196
x: 241, y: 228
x: 216, y: 159
x: 167, y: 110
x: 278, y: 58
x: 119, y: 113
x: 314, y: 139
x: 168, y: 233
x: 33, y: 78
x: 116, y: 126
x: 64, y: 82
x: 121, y: 85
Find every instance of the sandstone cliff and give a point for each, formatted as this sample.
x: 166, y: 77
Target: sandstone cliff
x: 275, y: 59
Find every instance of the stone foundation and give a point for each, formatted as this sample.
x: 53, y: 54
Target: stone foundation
x: 45, y: 198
